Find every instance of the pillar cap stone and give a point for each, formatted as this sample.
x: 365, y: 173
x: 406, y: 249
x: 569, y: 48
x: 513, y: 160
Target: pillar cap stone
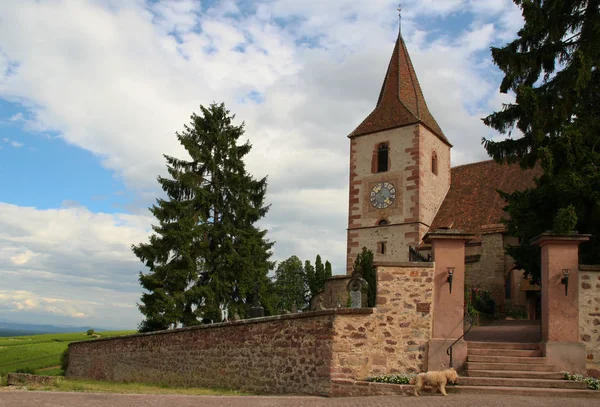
x: 549, y: 237
x: 448, y: 234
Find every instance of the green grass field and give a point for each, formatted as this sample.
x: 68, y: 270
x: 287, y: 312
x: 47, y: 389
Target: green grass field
x: 41, y: 353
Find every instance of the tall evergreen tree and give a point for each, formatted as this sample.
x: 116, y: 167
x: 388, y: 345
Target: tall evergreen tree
x: 364, y: 265
x: 328, y: 271
x: 205, y: 250
x: 319, y: 273
x: 553, y: 69
x: 311, y: 280
x: 290, y: 284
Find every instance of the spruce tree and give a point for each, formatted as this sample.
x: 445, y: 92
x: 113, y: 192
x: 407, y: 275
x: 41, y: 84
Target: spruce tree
x: 553, y: 70
x: 206, y: 250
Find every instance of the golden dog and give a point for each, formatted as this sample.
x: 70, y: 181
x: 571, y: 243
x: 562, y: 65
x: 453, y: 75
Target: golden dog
x: 435, y: 379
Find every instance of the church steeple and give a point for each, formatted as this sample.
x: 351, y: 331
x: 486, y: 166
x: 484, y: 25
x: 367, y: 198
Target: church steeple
x: 401, y: 100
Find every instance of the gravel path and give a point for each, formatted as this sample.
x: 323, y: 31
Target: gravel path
x: 52, y: 399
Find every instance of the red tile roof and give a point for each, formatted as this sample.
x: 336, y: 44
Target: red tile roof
x: 472, y: 203
x: 401, y: 100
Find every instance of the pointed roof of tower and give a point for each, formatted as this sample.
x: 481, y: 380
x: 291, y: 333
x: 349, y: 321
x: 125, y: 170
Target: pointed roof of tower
x: 401, y: 100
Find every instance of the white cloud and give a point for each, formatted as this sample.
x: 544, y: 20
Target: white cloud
x: 71, y: 262
x: 118, y: 79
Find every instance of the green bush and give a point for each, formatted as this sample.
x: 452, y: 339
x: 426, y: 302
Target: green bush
x: 64, y: 360
x: 90, y: 332
x: 393, y: 378
x: 26, y: 370
x: 591, y: 382
x: 517, y: 313
x: 479, y: 300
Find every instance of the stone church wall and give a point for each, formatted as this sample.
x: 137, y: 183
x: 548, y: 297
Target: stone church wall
x: 589, y: 316
x: 361, y: 214
x: 433, y: 187
x: 298, y: 353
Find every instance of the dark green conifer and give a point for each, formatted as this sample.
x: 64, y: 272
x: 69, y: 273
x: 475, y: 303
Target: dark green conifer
x: 553, y: 70
x: 206, y: 250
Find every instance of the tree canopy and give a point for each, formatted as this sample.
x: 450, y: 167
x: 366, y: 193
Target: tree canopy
x: 206, y: 251
x: 552, y: 69
x: 290, y: 285
x: 364, y: 265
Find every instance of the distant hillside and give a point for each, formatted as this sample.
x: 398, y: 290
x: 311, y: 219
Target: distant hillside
x: 20, y: 329
x: 41, y: 353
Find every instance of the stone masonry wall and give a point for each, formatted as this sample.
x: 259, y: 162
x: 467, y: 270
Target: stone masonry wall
x: 334, y: 290
x: 394, y: 339
x: 488, y: 273
x: 297, y: 353
x: 589, y: 316
x: 281, y: 354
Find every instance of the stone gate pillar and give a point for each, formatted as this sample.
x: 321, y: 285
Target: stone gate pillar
x: 560, y: 312
x: 448, y: 248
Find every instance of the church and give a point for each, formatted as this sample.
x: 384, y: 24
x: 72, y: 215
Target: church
x: 402, y: 186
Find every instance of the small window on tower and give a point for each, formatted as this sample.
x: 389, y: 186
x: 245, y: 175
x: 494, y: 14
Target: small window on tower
x: 434, y: 163
x: 381, y: 249
x: 382, y: 158
x: 382, y: 222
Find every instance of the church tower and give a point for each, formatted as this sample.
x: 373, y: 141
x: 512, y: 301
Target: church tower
x: 399, y: 168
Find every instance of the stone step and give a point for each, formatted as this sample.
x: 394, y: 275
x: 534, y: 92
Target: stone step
x: 505, y: 352
x: 502, y: 345
x: 513, y: 382
x: 506, y: 359
x: 523, y: 391
x: 511, y: 366
x: 518, y: 374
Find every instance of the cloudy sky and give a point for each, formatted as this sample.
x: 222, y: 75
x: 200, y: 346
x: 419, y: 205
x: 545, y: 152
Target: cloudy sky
x: 93, y: 91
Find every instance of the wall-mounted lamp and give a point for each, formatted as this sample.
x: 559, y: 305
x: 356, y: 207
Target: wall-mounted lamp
x: 565, y: 279
x: 450, y: 276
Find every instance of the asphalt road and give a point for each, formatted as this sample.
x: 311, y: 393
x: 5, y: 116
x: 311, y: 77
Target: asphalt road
x: 52, y: 399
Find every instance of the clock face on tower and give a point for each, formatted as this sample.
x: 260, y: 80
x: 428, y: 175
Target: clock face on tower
x: 383, y: 195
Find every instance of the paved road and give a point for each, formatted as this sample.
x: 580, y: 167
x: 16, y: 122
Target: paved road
x: 46, y: 399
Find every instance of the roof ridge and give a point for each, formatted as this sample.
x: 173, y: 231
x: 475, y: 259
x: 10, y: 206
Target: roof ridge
x: 473, y: 163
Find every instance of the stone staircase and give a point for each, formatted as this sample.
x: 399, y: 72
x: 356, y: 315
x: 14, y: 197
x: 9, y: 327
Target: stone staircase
x: 517, y: 369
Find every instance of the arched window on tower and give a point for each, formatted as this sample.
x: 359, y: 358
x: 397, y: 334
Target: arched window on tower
x: 382, y: 157
x: 434, y: 163
x: 382, y: 222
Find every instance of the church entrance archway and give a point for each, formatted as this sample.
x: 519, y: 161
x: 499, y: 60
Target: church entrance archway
x: 521, y: 321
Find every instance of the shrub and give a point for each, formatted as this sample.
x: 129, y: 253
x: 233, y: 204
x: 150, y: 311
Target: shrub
x: 591, y: 382
x: 483, y: 301
x: 27, y: 370
x: 517, y: 313
x: 64, y: 360
x: 90, y: 332
x: 403, y: 378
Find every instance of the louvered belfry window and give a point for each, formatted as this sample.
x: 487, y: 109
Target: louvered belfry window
x: 382, y: 158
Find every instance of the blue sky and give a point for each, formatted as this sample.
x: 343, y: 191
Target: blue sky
x: 92, y: 93
x: 34, y: 164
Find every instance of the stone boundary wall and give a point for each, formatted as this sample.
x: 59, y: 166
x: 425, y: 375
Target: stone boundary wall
x: 589, y: 316
x: 279, y: 354
x: 25, y: 379
x: 297, y: 353
x: 395, y: 338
